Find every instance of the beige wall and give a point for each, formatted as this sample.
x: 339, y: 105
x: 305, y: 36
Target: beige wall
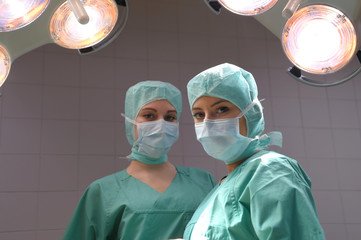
x: 60, y: 123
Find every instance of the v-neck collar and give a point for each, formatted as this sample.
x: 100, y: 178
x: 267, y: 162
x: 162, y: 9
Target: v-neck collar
x: 125, y: 175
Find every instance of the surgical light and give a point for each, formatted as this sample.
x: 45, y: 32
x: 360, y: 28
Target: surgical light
x: 248, y: 7
x: 319, y: 39
x: 16, y: 14
x: 84, y: 25
x: 66, y: 30
x: 241, y: 7
x: 4, y: 64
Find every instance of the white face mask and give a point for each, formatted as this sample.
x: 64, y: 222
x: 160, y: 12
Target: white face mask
x: 155, y: 138
x: 221, y: 139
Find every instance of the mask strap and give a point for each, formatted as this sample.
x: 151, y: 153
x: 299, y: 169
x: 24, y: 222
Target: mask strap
x: 255, y: 101
x: 128, y: 119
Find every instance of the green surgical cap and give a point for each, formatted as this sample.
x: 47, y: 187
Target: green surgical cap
x: 146, y: 92
x: 234, y: 84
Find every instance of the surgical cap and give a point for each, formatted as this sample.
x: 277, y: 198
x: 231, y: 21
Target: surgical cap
x: 146, y: 92
x: 233, y: 84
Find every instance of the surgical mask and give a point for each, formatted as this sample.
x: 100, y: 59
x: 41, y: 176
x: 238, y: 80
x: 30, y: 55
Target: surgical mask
x: 155, y: 138
x: 221, y: 139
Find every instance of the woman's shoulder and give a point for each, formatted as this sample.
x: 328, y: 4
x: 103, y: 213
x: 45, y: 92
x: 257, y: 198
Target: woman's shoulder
x: 270, y: 158
x: 272, y: 165
x: 108, y: 181
x: 279, y: 160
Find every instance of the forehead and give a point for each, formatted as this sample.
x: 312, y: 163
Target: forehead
x: 159, y: 105
x: 209, y: 101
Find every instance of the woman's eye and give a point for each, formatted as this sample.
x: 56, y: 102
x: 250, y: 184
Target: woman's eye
x: 170, y: 118
x: 148, y: 116
x: 222, y: 109
x: 198, y: 115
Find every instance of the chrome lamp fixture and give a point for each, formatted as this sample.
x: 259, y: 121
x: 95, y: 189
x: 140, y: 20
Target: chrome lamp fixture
x: 318, y: 38
x: 17, y: 14
x: 241, y: 7
x: 84, y: 25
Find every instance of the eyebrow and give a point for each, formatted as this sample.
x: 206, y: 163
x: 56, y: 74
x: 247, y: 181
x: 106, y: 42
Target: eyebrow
x: 147, y: 109
x: 214, y: 104
x: 220, y: 101
x: 155, y: 110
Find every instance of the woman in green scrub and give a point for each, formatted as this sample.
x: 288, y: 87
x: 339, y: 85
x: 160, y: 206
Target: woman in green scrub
x: 266, y: 195
x: 152, y: 198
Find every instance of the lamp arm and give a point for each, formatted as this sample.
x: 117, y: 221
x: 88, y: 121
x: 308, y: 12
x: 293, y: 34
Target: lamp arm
x: 79, y: 11
x: 290, y: 8
x: 295, y: 73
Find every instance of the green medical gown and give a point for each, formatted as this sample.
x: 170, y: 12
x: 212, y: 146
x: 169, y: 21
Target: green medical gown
x: 266, y: 197
x: 120, y: 206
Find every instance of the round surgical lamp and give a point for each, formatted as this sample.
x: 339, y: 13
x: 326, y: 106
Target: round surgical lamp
x: 123, y: 13
x: 242, y: 7
x: 248, y: 7
x: 68, y: 23
x: 319, y: 39
x: 5, y: 64
x: 16, y: 14
x: 68, y: 32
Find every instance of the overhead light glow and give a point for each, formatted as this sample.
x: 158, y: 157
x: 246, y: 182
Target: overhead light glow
x: 319, y: 39
x: 5, y: 63
x: 16, y: 14
x: 67, y: 32
x: 248, y: 7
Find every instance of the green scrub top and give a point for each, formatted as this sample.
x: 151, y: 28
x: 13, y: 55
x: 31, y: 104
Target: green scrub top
x: 120, y: 206
x: 266, y: 197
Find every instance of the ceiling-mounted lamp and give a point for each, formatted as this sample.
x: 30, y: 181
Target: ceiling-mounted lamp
x: 244, y: 7
x: 16, y: 14
x: 69, y: 32
x: 84, y: 25
x: 5, y: 64
x: 319, y: 39
x: 123, y: 13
